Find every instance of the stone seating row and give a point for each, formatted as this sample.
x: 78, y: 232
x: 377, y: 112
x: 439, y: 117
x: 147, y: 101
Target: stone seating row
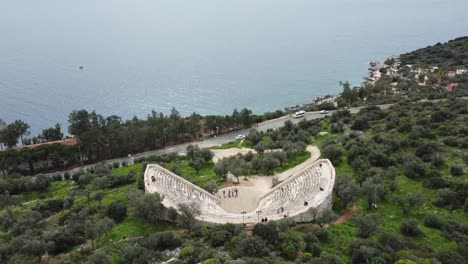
x: 311, y: 185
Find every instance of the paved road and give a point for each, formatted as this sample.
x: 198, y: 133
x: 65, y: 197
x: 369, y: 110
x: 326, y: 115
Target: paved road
x: 226, y: 138
x: 209, y: 142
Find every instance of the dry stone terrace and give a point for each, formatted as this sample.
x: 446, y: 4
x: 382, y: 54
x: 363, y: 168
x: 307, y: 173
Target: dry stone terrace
x: 312, y: 187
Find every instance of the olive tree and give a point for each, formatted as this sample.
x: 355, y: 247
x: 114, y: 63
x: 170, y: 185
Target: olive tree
x: 368, y: 225
x: 188, y: 214
x: 346, y: 189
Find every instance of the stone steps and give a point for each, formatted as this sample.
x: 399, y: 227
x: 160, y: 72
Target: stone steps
x: 291, y: 195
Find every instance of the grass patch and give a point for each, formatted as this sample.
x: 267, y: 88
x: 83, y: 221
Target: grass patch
x: 56, y: 190
x: 133, y: 227
x: 125, y: 170
x: 235, y: 144
x: 293, y: 161
x: 117, y: 194
x: 206, y: 173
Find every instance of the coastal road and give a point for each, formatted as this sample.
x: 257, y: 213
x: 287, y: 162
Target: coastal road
x: 226, y: 138
x: 209, y: 142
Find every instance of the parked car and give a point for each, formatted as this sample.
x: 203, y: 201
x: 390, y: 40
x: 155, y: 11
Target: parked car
x: 323, y: 112
x: 239, y: 137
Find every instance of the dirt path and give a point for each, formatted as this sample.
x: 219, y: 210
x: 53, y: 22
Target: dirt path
x: 348, y: 213
x: 219, y: 154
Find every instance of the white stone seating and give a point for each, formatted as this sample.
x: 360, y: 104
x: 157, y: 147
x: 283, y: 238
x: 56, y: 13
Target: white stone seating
x: 290, y: 194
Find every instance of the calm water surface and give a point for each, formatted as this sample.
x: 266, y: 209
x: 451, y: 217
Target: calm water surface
x: 203, y: 56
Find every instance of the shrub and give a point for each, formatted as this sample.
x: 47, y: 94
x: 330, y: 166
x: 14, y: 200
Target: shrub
x: 267, y: 232
x: 306, y: 257
x: 436, y: 182
x: 124, y: 164
x: 451, y: 141
x: 433, y: 221
x: 162, y: 241
x: 134, y: 254
x: 437, y: 160
x: 211, y: 186
x: 268, y: 164
x: 116, y: 211
x: 57, y: 177
x: 450, y: 257
x: 409, y: 227
x: 116, y: 165
x: 445, y: 197
x: 114, y: 180
x: 27, y: 245
x: 66, y: 175
x: 51, y: 205
x: 392, y: 241
x: 453, y: 229
x: 76, y: 176
x: 288, y: 250
x: 414, y: 168
x: 63, y: 241
x: 334, y: 153
x: 176, y: 169
x: 321, y: 234
x: 217, y: 238
x: 99, y: 258
x: 252, y: 246
x: 360, y: 124
x: 456, y: 171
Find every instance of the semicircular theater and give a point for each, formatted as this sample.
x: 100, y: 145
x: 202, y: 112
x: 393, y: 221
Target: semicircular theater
x: 294, y: 198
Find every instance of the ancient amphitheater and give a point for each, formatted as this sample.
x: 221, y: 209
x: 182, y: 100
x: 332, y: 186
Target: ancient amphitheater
x: 312, y: 187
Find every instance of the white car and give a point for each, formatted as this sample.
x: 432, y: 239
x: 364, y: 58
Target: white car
x: 299, y: 114
x: 239, y: 137
x: 323, y: 112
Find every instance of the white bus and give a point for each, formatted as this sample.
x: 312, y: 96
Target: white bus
x: 299, y: 114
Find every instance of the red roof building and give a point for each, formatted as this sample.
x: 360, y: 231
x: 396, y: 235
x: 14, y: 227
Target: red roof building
x: 65, y: 141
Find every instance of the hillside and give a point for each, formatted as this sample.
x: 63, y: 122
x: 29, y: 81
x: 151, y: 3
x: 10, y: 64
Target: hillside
x: 449, y: 55
x: 401, y: 186
x: 405, y: 168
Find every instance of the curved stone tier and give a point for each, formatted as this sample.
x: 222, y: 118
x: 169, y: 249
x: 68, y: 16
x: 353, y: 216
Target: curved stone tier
x: 312, y: 187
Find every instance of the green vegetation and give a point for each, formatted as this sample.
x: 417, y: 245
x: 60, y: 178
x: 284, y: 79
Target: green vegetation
x: 235, y: 144
x: 448, y: 55
x: 407, y: 177
x: 99, y: 137
x: 401, y: 186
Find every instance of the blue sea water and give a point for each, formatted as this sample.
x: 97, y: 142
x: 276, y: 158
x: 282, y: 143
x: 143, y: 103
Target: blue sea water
x: 200, y: 56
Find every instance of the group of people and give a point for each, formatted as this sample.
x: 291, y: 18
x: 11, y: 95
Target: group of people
x: 280, y: 210
x: 264, y: 220
x: 231, y: 193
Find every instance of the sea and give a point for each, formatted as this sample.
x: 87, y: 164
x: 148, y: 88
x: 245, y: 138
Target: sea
x: 130, y: 57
